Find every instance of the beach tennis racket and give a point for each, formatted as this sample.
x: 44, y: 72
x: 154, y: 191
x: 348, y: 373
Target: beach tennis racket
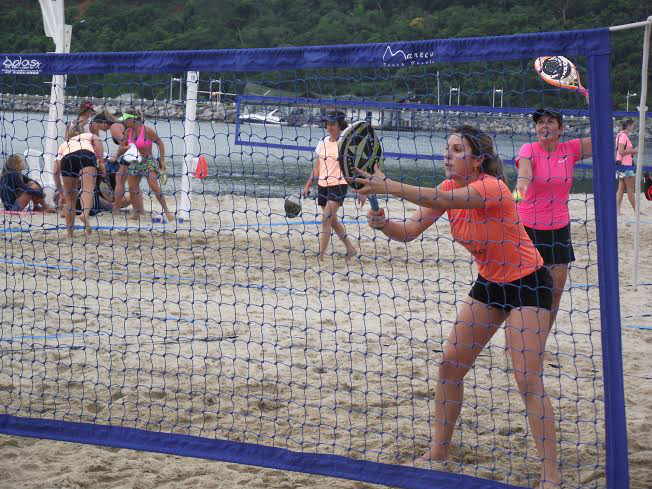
x: 359, y: 147
x: 559, y: 72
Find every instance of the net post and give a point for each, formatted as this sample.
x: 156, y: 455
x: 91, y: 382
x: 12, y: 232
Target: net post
x: 191, y: 140
x: 641, y: 150
x: 617, y: 474
x: 61, y: 33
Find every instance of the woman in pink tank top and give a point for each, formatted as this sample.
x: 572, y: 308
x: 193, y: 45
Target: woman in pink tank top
x: 625, y: 152
x: 545, y: 176
x: 142, y: 137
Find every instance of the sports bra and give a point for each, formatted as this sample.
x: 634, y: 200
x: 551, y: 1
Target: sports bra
x: 141, y: 142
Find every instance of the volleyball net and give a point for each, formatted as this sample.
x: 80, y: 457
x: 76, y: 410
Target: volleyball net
x: 220, y: 336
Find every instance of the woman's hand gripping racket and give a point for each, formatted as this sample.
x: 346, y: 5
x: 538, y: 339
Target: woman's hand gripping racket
x: 560, y: 72
x: 360, y: 148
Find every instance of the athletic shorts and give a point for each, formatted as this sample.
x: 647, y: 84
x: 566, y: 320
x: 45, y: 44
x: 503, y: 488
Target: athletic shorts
x: 73, y: 163
x: 143, y: 168
x: 625, y: 174
x: 336, y: 193
x: 554, y: 245
x: 534, y: 290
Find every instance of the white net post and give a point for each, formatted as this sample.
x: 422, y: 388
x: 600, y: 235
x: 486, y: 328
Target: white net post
x: 642, y: 108
x: 53, y: 22
x: 191, y: 143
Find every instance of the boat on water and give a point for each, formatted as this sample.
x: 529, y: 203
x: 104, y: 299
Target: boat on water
x: 272, y: 117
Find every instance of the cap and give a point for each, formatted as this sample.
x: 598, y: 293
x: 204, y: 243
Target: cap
x: 86, y: 105
x: 552, y: 113
x: 126, y: 116
x: 334, y: 116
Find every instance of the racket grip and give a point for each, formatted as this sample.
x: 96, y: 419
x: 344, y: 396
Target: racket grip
x: 373, y: 201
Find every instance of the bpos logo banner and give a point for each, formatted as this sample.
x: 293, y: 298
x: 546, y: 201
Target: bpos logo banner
x: 20, y: 66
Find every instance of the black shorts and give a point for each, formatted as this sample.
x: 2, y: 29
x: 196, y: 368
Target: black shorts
x: 73, y: 163
x: 336, y: 193
x: 554, y: 245
x: 533, y: 290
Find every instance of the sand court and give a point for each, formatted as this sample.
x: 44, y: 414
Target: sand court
x: 226, y: 326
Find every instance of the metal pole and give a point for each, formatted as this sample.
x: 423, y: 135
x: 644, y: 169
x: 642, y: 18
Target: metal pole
x: 629, y: 26
x: 55, y: 27
x: 641, y: 147
x: 191, y: 143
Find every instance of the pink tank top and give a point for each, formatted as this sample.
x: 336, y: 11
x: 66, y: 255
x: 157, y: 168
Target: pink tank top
x: 141, y: 142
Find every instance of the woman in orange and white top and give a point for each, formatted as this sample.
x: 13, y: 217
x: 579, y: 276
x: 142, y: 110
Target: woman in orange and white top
x: 331, y: 184
x: 76, y: 159
x: 625, y: 152
x: 512, y: 287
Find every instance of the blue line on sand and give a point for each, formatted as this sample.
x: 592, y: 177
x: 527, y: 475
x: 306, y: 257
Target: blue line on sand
x: 77, y: 269
x: 159, y: 227
x: 287, y: 290
x: 290, y: 223
x: 638, y: 326
x: 12, y: 339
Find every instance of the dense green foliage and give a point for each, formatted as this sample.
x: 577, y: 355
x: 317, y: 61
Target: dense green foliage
x: 121, y: 25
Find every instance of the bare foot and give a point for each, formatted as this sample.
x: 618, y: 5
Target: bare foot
x: 351, y: 252
x: 135, y: 216
x: 87, y: 226
x: 170, y: 216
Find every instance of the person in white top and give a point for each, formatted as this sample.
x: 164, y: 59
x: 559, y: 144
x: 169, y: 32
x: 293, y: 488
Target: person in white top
x: 81, y: 124
x: 331, y: 185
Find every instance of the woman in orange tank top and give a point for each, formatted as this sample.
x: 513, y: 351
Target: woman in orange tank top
x: 512, y: 287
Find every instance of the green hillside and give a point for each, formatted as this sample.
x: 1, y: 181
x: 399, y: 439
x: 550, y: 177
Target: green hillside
x: 203, y: 24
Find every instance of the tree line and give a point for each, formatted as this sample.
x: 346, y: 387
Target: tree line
x: 122, y: 25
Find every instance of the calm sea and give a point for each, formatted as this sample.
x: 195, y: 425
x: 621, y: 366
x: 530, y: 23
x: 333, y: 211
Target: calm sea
x: 267, y: 171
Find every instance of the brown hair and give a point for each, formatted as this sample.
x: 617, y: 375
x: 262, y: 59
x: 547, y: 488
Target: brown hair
x: 13, y: 163
x: 482, y: 146
x: 74, y: 131
x: 626, y: 122
x: 85, y: 107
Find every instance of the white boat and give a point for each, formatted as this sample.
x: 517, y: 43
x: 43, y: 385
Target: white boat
x: 269, y: 118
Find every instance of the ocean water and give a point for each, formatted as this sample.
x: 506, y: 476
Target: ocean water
x: 264, y: 169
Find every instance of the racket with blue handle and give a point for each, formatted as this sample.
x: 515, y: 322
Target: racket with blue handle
x: 359, y: 147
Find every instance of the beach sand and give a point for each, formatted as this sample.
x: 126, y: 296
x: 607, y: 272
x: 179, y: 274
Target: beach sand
x: 226, y: 326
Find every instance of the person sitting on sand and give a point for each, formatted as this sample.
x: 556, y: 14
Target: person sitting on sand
x: 17, y: 190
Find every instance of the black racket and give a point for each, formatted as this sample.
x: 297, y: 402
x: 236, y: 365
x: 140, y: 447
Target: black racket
x: 359, y: 147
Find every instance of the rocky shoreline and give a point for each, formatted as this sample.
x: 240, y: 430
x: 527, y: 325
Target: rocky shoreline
x: 408, y: 120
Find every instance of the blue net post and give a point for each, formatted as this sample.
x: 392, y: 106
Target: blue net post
x: 607, y: 238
